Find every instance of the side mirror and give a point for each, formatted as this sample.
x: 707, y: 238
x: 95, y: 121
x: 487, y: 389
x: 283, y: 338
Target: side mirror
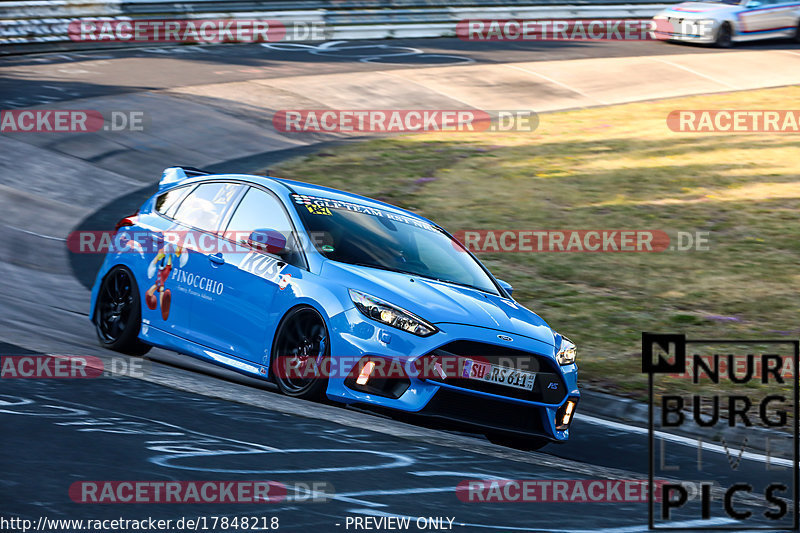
x: 506, y: 286
x: 267, y: 240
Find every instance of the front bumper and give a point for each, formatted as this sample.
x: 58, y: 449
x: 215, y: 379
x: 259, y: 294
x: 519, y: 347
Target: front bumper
x: 496, y: 408
x: 679, y: 29
x: 685, y: 38
x: 495, y: 415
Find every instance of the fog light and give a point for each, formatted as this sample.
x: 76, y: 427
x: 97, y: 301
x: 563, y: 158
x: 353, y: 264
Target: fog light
x: 379, y: 376
x: 565, y: 413
x: 568, y: 414
x: 363, y: 377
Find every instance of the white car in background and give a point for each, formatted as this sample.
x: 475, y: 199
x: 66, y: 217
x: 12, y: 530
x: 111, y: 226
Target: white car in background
x: 726, y: 22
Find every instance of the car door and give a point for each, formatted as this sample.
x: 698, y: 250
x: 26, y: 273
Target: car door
x: 159, y: 259
x: 786, y: 12
x: 238, y: 320
x: 194, y: 278
x: 760, y: 16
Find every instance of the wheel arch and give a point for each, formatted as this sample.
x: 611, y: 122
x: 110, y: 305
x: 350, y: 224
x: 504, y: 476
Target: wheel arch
x: 305, y: 304
x: 101, y: 279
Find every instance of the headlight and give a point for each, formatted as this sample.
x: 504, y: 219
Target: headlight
x: 566, y: 352
x: 391, y: 315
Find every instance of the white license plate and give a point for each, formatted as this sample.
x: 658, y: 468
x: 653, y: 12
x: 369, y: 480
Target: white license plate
x: 499, y: 375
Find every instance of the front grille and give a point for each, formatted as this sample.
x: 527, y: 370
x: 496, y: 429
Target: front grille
x: 549, y: 387
x: 488, y: 413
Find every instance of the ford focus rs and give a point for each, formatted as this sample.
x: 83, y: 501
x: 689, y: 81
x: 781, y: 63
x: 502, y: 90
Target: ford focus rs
x: 331, y: 294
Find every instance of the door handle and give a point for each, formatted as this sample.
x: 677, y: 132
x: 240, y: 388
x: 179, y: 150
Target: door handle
x: 216, y: 258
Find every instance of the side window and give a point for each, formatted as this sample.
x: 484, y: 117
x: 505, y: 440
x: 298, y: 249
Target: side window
x: 261, y: 210
x: 205, y: 207
x: 169, y: 201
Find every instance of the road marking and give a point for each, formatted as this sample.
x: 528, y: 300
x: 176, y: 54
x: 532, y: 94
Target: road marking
x: 50, y: 237
x: 692, y: 71
x: 375, y: 53
x: 397, y: 460
x: 459, y: 60
x: 14, y: 400
x: 208, y: 385
x: 426, y: 87
x: 329, y: 44
x: 687, y: 441
x: 556, y: 82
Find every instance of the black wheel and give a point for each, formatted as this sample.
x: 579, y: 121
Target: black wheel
x: 519, y: 442
x: 797, y: 33
x: 724, y: 36
x: 299, y: 355
x: 118, y: 316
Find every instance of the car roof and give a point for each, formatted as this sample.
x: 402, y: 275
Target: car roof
x: 308, y: 189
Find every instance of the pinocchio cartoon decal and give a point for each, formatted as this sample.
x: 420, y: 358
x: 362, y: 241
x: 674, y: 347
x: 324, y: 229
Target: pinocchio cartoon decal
x: 161, y: 266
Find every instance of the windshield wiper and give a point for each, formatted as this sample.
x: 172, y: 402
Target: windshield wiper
x: 390, y: 269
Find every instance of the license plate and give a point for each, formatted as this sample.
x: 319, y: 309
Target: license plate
x: 498, y: 375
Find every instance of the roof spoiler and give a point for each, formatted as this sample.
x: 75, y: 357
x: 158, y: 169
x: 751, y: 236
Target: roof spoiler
x: 173, y: 175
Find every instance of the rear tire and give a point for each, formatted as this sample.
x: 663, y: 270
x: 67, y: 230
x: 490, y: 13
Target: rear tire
x: 118, y: 313
x: 724, y: 37
x: 797, y: 33
x: 530, y: 444
x: 301, y: 348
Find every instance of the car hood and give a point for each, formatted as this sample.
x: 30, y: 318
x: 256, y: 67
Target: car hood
x: 440, y: 302
x: 693, y: 10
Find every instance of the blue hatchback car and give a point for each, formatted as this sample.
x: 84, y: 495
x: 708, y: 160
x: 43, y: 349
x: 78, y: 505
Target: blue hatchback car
x: 331, y: 294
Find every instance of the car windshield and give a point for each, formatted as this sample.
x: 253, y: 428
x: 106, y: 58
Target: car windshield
x: 366, y: 236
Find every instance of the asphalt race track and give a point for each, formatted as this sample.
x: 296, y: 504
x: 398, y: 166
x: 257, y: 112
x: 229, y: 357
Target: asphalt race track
x: 184, y: 419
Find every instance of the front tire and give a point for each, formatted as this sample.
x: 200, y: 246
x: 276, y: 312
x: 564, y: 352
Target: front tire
x: 300, y: 354
x: 724, y: 37
x: 118, y: 314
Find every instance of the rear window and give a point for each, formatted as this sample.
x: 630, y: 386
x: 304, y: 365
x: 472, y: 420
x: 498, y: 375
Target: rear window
x: 167, y: 202
x: 205, y: 207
